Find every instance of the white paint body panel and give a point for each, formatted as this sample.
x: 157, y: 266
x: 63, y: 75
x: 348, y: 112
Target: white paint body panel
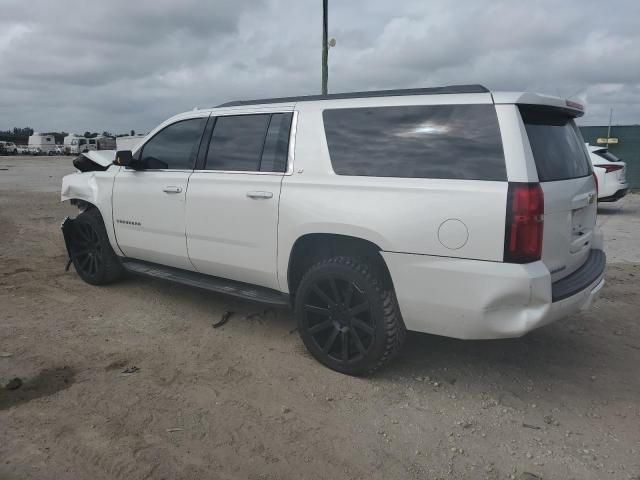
x: 230, y: 234
x: 95, y: 188
x: 149, y: 222
x: 470, y: 299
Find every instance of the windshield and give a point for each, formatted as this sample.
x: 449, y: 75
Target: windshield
x: 556, y: 143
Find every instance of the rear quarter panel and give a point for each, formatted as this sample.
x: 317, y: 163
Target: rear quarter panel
x: 397, y: 214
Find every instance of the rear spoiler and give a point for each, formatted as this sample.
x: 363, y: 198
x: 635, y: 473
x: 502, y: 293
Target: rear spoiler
x: 570, y: 107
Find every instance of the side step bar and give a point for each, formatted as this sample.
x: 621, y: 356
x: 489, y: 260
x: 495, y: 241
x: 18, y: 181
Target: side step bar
x: 207, y: 282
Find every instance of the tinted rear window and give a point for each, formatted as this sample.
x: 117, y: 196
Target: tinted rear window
x: 607, y: 155
x: 236, y: 143
x: 436, y: 141
x: 557, y: 145
x: 250, y: 143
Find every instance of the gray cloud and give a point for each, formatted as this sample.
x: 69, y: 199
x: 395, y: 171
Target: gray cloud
x: 117, y: 65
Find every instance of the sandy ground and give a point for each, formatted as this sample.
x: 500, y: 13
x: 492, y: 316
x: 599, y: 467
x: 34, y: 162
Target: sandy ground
x: 246, y: 401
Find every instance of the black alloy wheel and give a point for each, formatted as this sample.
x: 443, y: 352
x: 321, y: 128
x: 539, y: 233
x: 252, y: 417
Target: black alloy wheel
x: 87, y: 251
x: 337, y: 315
x: 91, y: 253
x: 347, y: 319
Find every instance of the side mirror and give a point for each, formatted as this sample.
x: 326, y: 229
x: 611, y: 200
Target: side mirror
x: 125, y: 158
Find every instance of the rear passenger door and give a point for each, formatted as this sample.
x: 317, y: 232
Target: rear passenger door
x: 232, y: 200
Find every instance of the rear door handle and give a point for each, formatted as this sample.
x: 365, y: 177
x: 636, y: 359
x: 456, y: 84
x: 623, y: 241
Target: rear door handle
x: 259, y: 195
x: 171, y: 189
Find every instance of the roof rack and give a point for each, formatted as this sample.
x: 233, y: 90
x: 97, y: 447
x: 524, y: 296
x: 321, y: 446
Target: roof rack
x: 373, y: 93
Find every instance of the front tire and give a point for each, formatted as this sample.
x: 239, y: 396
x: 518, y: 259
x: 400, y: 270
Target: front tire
x: 90, y: 250
x: 348, y: 320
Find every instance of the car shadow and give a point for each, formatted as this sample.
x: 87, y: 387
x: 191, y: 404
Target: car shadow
x: 566, y: 358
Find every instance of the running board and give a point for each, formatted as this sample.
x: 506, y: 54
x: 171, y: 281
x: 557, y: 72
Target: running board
x: 207, y: 282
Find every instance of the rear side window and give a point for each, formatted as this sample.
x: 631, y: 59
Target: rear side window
x: 557, y: 145
x: 250, y: 143
x: 607, y: 155
x: 174, y: 147
x: 436, y: 141
x: 276, y: 144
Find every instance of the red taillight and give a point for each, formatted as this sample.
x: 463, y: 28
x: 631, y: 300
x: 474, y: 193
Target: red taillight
x: 525, y: 220
x: 610, y: 168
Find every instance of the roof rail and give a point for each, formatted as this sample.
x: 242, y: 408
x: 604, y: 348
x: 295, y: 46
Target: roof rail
x: 373, y: 93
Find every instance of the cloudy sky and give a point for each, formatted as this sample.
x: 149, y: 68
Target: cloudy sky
x: 120, y: 64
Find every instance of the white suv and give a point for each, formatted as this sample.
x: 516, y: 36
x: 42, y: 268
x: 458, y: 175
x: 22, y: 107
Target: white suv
x: 454, y: 211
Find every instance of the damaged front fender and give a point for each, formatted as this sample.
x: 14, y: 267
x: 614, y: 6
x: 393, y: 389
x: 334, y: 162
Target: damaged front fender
x: 80, y: 186
x: 93, y: 189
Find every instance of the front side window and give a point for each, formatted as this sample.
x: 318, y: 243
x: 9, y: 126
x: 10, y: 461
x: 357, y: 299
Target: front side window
x: 250, y: 143
x: 417, y: 141
x: 175, y: 147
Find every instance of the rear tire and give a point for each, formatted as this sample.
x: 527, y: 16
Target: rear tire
x: 347, y: 319
x: 91, y: 253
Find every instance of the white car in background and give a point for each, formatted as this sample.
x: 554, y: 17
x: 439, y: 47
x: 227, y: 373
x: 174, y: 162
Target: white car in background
x: 9, y: 148
x: 610, y: 172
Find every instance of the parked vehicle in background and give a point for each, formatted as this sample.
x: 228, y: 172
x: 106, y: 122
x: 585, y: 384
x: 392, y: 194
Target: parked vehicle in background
x: 105, y: 143
x: 454, y: 211
x: 610, y: 172
x: 8, y: 148
x: 75, y: 144
x: 42, y: 144
x: 23, y: 150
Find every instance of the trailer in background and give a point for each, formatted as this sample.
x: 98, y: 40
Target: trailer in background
x: 106, y: 143
x: 76, y: 144
x: 42, y: 144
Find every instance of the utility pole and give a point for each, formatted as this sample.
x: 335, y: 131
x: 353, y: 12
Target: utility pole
x: 325, y: 47
x: 609, y: 129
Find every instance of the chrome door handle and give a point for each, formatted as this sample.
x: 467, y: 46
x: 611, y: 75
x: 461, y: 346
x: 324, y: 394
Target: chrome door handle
x: 258, y: 195
x: 172, y: 189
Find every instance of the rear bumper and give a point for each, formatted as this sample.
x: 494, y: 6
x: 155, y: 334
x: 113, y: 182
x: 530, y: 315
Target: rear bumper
x: 616, y: 196
x: 473, y: 299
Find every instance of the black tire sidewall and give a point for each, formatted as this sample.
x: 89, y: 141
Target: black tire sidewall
x: 90, y: 218
x: 344, y: 269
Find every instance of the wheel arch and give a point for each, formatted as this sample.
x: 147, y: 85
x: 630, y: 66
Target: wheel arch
x: 310, y: 248
x: 93, y: 190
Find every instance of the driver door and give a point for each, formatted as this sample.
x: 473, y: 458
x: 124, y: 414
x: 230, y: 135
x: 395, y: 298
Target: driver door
x: 149, y: 204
